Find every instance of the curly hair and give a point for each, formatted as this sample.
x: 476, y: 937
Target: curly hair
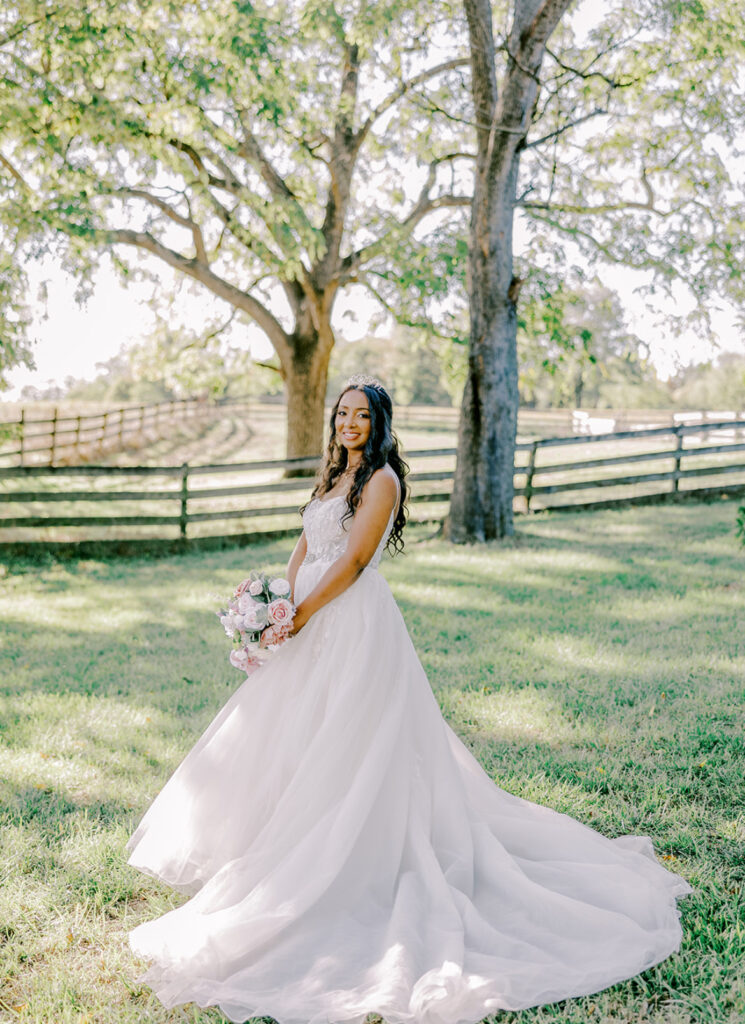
x: 381, y: 448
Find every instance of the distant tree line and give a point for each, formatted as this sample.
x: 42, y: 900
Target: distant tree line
x: 612, y: 372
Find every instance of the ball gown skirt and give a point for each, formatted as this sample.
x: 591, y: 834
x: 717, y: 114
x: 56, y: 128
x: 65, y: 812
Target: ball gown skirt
x: 345, y: 854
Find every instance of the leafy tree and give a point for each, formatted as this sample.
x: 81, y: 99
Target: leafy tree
x: 575, y: 349
x: 256, y: 148
x: 719, y: 384
x: 410, y: 363
x: 14, y: 315
x: 172, y: 364
x: 614, y: 147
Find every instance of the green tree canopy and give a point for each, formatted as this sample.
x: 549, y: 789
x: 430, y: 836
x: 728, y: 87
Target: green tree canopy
x: 281, y: 153
x: 265, y: 150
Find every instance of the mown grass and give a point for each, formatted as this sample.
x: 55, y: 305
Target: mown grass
x: 595, y: 663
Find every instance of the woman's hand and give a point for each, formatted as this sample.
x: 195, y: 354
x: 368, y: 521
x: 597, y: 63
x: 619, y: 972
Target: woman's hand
x: 301, y: 617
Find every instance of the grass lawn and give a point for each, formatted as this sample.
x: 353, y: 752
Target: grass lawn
x: 595, y: 663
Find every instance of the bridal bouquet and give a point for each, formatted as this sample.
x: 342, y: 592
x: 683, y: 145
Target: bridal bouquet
x: 258, y: 619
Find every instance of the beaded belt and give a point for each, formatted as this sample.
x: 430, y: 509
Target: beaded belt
x: 312, y: 556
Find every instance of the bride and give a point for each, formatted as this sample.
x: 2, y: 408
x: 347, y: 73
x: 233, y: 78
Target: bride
x: 343, y: 851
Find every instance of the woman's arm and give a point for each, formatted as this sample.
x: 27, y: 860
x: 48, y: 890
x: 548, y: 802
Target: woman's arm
x: 370, y: 520
x: 297, y: 556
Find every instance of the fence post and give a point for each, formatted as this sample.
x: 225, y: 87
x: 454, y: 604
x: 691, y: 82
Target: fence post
x: 184, y: 518
x: 104, y: 428
x: 77, y: 436
x: 53, y: 446
x: 529, y: 478
x: 22, y: 431
x: 678, y: 449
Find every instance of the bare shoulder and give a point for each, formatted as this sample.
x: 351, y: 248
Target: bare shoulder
x: 382, y: 487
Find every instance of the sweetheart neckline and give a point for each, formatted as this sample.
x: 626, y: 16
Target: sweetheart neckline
x: 325, y: 501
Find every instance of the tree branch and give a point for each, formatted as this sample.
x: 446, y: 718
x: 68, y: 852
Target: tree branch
x: 174, y: 215
x: 20, y: 29
x: 621, y: 258
x: 228, y: 184
x: 202, y: 273
x: 268, y: 257
x: 565, y: 128
x: 629, y: 204
x: 536, y: 34
x: 404, y: 87
x: 398, y: 317
x: 613, y: 83
x: 4, y: 162
x: 251, y: 150
x: 420, y: 210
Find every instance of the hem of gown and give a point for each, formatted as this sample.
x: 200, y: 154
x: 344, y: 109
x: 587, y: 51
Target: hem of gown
x: 171, y: 995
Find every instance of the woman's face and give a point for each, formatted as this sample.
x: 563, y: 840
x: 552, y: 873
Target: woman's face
x: 352, y: 421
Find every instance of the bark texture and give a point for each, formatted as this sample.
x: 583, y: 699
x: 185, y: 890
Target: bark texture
x: 481, y: 505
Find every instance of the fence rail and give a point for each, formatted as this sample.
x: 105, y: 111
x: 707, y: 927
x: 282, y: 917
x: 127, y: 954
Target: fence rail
x: 173, y: 497
x: 45, y: 439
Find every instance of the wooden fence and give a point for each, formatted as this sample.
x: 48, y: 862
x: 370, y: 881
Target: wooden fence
x: 64, y: 436
x: 188, y: 502
x: 568, y: 422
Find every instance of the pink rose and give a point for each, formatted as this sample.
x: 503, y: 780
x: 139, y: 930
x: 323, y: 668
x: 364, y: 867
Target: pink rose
x: 281, y: 612
x: 273, y: 636
x: 255, y: 588
x: 242, y: 587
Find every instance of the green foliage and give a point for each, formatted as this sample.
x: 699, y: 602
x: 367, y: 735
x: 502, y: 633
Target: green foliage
x: 719, y: 384
x: 15, y: 316
x: 647, y: 175
x: 216, y: 137
x: 207, y: 134
x: 416, y: 367
x: 177, y: 364
x: 575, y: 349
x: 741, y: 523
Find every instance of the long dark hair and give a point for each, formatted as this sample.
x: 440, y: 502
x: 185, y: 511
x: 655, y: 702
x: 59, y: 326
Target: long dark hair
x: 381, y: 448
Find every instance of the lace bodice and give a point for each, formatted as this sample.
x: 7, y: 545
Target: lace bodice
x: 327, y: 535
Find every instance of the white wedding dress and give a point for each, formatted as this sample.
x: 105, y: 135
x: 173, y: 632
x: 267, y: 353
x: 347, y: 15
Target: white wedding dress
x: 345, y: 854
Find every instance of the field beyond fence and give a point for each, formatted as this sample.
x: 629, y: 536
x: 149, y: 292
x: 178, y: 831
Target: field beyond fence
x: 239, y: 501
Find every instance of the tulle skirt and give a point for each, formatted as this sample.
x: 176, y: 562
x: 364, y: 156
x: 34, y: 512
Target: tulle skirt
x: 345, y: 854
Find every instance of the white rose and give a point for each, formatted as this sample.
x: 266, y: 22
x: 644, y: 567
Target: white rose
x: 280, y: 586
x: 239, y: 658
x: 255, y: 587
x: 255, y: 616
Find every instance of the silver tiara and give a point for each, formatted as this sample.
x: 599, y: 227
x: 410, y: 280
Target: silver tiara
x: 358, y: 380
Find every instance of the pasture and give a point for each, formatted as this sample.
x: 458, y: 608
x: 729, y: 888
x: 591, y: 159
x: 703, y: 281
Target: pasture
x: 595, y: 663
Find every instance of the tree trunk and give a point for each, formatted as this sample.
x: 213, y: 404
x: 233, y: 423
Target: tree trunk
x: 483, y: 490
x: 305, y: 378
x: 481, y: 504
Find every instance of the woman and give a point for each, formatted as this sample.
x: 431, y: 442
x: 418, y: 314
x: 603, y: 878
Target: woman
x: 349, y: 855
